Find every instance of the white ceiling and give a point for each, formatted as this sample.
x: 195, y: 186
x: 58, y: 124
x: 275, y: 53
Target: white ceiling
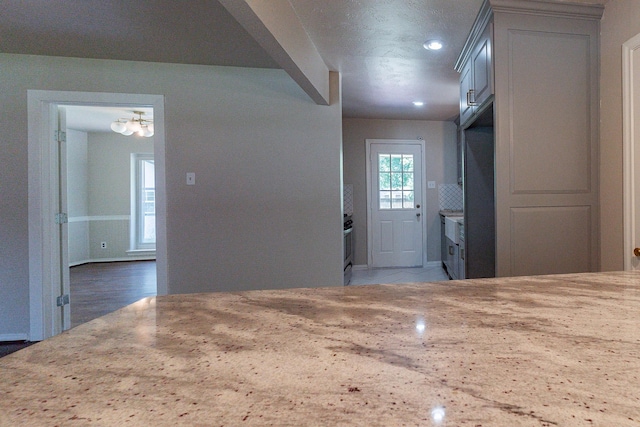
x: 98, y: 119
x: 375, y: 44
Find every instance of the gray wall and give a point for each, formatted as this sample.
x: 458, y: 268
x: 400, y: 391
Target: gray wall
x: 110, y: 191
x: 620, y: 22
x: 99, y: 194
x: 266, y: 208
x: 441, y: 167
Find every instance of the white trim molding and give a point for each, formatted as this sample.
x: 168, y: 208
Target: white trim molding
x: 132, y: 257
x: 100, y: 218
x: 630, y: 49
x: 13, y: 337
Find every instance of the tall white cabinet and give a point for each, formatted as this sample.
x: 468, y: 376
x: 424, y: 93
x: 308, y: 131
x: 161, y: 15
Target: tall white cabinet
x: 529, y: 119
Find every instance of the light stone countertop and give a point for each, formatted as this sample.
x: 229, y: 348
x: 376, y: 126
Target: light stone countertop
x: 527, y: 351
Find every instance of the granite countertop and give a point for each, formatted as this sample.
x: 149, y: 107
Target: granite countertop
x: 527, y: 351
x: 448, y: 212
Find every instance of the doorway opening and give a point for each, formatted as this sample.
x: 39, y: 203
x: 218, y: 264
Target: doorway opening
x: 110, y: 208
x: 49, y: 225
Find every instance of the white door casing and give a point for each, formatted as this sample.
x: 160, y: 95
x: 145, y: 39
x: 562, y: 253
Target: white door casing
x: 396, y: 224
x: 631, y: 150
x: 45, y: 280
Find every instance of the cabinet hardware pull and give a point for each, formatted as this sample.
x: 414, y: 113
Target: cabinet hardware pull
x: 450, y: 250
x: 471, y: 93
x: 636, y: 251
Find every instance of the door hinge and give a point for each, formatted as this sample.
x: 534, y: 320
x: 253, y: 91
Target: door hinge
x: 62, y: 300
x: 62, y: 218
x: 60, y: 136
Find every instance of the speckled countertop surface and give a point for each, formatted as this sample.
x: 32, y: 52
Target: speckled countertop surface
x: 537, y: 351
x: 448, y: 212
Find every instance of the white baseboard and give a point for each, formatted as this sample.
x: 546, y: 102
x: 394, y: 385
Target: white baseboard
x: 430, y: 264
x: 128, y: 258
x: 13, y: 337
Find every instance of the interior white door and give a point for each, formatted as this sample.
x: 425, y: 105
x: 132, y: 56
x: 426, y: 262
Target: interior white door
x: 395, y: 203
x: 631, y: 135
x: 62, y: 297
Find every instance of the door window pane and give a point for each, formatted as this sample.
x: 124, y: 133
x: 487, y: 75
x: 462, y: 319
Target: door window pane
x: 407, y: 200
x: 385, y: 181
x: 396, y: 162
x: 407, y: 183
x: 395, y: 173
x: 384, y: 162
x: 407, y: 163
x: 385, y: 200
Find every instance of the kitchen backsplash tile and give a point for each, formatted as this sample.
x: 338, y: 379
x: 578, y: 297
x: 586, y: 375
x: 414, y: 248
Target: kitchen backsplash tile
x: 347, y: 196
x: 450, y: 197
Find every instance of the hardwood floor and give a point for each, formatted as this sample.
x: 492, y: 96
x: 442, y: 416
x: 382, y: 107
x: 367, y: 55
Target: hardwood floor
x: 100, y: 288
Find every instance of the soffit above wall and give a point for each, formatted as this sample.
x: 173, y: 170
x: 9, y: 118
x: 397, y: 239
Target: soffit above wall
x: 193, y: 32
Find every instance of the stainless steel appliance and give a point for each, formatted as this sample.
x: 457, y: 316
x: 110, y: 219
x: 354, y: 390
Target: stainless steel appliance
x: 348, y: 248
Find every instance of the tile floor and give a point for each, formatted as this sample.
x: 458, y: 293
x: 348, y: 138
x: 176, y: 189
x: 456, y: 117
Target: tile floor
x: 370, y: 276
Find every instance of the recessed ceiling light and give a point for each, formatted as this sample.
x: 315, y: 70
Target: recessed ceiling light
x: 432, y: 45
x: 418, y: 103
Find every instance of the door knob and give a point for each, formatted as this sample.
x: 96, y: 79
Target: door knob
x: 636, y: 251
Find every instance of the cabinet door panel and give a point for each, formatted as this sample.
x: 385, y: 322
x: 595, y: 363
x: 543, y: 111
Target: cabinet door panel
x: 482, y: 80
x: 466, y: 80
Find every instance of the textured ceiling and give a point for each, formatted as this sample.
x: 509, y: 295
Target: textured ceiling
x: 375, y: 44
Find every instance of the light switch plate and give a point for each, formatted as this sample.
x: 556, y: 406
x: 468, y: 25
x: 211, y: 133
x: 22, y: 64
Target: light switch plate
x: 431, y: 184
x: 191, y: 178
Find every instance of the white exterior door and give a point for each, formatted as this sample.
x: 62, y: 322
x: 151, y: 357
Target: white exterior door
x: 395, y: 204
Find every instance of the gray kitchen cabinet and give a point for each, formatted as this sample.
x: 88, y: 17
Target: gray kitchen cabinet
x: 443, y: 242
x: 452, y: 260
x: 530, y: 138
x: 461, y: 261
x: 466, y: 83
x: 448, y: 251
x: 476, y: 77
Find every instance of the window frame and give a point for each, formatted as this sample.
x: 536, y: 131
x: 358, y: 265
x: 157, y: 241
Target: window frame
x: 138, y: 202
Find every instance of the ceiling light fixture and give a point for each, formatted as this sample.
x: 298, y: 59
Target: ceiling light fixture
x: 418, y: 103
x: 139, y: 126
x: 433, y: 45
